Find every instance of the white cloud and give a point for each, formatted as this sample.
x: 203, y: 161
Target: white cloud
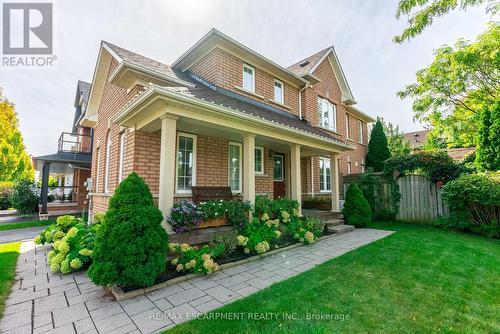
x: 284, y: 31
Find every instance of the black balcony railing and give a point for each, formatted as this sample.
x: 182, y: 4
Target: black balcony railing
x: 62, y: 194
x: 74, y: 143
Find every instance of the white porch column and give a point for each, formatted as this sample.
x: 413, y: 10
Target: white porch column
x: 167, y: 167
x: 249, y: 168
x: 334, y: 179
x: 295, y: 187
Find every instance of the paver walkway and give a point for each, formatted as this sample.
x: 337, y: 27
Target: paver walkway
x: 42, y: 302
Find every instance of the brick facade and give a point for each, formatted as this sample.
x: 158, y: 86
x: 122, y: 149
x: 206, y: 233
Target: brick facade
x: 224, y: 69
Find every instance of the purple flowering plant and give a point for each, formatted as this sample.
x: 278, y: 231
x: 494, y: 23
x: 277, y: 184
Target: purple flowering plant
x: 184, y: 216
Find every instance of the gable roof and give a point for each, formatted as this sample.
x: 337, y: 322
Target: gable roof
x: 307, y: 66
x: 216, y: 38
x: 416, y: 138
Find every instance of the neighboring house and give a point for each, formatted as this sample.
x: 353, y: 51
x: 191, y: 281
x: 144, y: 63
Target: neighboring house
x: 222, y: 115
x: 416, y: 139
x: 70, y: 166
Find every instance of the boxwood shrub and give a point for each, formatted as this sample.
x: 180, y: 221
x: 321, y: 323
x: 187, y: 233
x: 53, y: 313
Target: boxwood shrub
x: 356, y: 210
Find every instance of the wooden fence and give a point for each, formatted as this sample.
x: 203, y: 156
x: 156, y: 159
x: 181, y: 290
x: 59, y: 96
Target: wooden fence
x: 421, y: 200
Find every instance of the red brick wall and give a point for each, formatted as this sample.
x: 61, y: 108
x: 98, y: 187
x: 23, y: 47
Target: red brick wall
x: 226, y: 70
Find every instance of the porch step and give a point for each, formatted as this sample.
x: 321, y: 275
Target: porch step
x: 327, y: 215
x: 340, y: 229
x: 334, y: 222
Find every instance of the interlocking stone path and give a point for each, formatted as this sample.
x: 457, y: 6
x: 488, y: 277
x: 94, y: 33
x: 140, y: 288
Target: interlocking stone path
x: 43, y: 302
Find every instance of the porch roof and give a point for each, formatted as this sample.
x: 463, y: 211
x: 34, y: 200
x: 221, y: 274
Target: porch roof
x: 234, y: 105
x: 81, y: 160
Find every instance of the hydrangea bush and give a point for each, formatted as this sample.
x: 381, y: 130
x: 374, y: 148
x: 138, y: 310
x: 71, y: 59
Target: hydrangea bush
x: 73, y: 241
x: 193, y: 259
x: 258, y: 236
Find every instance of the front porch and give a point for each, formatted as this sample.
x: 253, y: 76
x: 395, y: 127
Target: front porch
x: 205, y: 147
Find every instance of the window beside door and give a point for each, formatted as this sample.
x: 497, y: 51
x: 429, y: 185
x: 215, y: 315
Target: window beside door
x: 235, y: 167
x: 186, y: 162
x: 324, y: 175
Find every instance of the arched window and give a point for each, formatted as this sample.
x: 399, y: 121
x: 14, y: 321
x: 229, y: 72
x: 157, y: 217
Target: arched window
x: 108, y: 158
x: 121, y: 157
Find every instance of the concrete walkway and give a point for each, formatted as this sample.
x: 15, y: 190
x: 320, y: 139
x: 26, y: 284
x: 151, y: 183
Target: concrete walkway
x: 41, y: 302
x: 20, y: 234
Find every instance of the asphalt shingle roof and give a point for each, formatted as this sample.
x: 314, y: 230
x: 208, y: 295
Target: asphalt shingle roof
x: 307, y: 63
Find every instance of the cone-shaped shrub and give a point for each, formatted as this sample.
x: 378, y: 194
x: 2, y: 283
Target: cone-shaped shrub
x: 130, y: 247
x: 356, y: 210
x: 378, y: 149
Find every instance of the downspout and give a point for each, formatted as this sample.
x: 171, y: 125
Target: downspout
x: 300, y: 100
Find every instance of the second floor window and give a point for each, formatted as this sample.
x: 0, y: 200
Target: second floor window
x: 248, y: 78
x: 121, y: 157
x: 327, y: 114
x: 278, y: 92
x: 347, y: 131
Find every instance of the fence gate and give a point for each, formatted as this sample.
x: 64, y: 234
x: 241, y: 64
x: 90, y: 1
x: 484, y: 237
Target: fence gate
x: 421, y: 200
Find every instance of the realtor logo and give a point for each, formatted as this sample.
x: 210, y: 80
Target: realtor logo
x: 27, y: 28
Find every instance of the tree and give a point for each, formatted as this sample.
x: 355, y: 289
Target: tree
x: 15, y: 163
x: 450, y: 93
x: 131, y: 245
x: 24, y: 197
x: 378, y: 151
x: 488, y: 139
x: 395, y: 140
x: 356, y: 209
x: 421, y: 14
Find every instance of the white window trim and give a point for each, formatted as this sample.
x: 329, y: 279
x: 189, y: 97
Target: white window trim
x: 261, y: 149
x: 122, y: 157
x: 332, y: 124
x: 107, y: 166
x: 243, y: 77
x: 98, y: 172
x: 347, y: 130
x: 282, y: 97
x: 324, y: 190
x: 240, y: 185
x: 360, y: 132
x: 193, y: 177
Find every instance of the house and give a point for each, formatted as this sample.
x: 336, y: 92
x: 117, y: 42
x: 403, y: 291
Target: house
x: 416, y: 139
x: 222, y: 114
x: 69, y: 168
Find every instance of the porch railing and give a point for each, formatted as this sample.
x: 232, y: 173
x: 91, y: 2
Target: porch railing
x: 74, y: 143
x: 62, y: 194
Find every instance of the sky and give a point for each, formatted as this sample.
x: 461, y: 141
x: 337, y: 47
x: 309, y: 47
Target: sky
x: 284, y: 31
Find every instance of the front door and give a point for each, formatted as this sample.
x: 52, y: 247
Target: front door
x: 279, y: 175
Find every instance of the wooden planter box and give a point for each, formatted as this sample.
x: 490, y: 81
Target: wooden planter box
x: 215, y: 222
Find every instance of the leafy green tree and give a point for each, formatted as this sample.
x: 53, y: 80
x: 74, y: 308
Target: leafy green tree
x: 15, y: 163
x: 378, y: 150
x: 24, y: 197
x: 449, y: 94
x: 421, y: 14
x: 395, y: 140
x: 488, y: 139
x: 356, y: 209
x: 131, y: 245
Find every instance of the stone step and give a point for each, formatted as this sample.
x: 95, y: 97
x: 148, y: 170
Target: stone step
x: 323, y: 214
x: 341, y: 229
x: 334, y: 222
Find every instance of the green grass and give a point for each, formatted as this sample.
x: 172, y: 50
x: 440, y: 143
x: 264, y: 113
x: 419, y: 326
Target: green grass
x: 34, y: 223
x: 8, y: 258
x: 418, y: 280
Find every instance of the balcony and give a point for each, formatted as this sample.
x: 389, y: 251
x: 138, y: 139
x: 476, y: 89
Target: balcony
x: 74, y: 143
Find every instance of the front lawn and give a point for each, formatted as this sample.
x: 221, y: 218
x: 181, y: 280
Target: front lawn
x: 8, y: 259
x: 418, y: 280
x: 34, y: 223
